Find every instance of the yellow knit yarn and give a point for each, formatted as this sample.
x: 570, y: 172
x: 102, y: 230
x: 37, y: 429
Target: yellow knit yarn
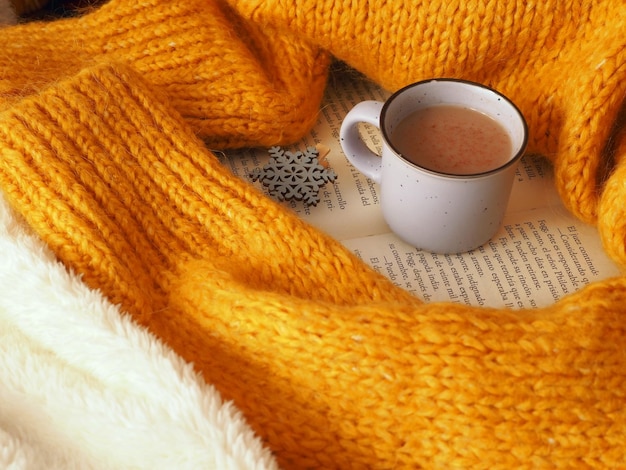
x: 331, y: 364
x: 562, y: 62
x: 227, y: 77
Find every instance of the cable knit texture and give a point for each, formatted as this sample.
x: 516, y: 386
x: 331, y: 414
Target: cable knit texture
x: 330, y: 363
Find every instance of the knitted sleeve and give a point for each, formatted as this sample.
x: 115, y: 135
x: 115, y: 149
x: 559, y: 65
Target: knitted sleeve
x: 331, y: 364
x: 236, y: 82
x: 253, y: 73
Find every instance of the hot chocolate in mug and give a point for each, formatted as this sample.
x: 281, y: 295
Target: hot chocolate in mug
x: 449, y: 155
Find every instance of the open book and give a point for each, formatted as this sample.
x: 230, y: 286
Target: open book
x: 540, y: 253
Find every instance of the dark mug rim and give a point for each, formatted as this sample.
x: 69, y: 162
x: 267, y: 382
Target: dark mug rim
x: 512, y: 161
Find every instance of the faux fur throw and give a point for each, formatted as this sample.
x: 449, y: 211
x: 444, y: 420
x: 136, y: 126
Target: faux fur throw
x: 82, y: 386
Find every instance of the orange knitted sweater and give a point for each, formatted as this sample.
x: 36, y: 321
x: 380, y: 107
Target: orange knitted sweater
x: 100, y: 126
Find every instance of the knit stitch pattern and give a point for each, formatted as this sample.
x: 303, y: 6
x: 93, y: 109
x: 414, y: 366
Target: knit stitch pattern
x: 562, y: 62
x: 332, y: 365
x: 234, y: 82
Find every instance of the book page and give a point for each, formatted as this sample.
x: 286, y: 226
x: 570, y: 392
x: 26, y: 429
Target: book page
x: 531, y: 262
x: 348, y: 208
x: 540, y: 253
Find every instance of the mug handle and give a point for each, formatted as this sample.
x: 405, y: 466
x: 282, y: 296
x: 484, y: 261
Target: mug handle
x: 355, y: 150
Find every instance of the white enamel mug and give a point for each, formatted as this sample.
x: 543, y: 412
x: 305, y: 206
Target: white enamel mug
x: 435, y: 211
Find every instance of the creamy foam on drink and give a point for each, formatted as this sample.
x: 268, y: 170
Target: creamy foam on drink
x: 452, y: 139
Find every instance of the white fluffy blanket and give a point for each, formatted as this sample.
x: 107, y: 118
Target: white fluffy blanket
x: 82, y: 386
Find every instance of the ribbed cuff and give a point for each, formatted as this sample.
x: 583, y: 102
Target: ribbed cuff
x: 81, y: 173
x: 234, y: 82
x: 125, y: 194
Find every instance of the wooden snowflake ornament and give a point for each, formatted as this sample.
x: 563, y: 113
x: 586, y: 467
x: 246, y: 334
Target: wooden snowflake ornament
x: 294, y: 175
